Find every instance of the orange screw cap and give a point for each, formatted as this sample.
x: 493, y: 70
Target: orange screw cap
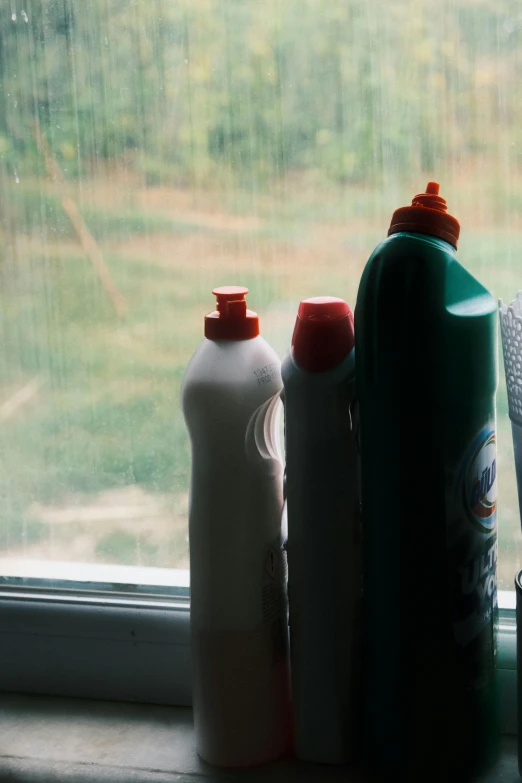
x: 428, y: 215
x: 231, y: 320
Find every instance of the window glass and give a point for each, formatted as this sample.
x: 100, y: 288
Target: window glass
x: 150, y: 151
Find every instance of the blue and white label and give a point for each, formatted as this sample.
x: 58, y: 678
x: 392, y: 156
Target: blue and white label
x: 479, y: 483
x: 472, y: 539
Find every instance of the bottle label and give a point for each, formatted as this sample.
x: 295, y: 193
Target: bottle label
x: 480, y: 483
x: 472, y: 542
x: 275, y: 608
x: 273, y: 583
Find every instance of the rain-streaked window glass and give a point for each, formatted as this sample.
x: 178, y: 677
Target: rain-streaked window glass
x: 151, y: 150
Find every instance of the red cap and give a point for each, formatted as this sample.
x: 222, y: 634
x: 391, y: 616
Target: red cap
x: 231, y: 320
x: 428, y: 215
x: 323, y: 334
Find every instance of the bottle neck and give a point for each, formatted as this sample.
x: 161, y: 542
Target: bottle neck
x: 429, y: 239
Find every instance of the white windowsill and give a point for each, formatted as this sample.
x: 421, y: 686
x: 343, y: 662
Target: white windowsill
x: 47, y: 739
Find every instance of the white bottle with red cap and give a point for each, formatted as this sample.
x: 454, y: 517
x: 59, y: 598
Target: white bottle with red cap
x: 324, y: 553
x: 231, y: 402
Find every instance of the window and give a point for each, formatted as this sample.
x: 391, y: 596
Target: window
x: 152, y: 150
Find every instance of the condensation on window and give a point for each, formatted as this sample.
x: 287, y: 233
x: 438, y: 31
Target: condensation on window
x: 150, y: 151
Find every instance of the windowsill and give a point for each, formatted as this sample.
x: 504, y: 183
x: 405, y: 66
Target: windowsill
x: 45, y: 739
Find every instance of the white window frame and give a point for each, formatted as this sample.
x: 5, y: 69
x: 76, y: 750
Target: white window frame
x: 93, y: 639
x: 507, y: 661
x: 131, y: 643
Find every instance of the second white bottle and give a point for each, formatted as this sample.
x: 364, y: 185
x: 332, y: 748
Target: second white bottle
x: 324, y: 568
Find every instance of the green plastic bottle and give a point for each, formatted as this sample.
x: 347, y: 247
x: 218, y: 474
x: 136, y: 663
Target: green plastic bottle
x: 426, y: 373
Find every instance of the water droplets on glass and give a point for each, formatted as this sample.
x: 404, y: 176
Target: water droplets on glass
x: 132, y: 185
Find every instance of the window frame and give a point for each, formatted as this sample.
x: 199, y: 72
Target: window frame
x: 127, y: 644
x: 124, y: 646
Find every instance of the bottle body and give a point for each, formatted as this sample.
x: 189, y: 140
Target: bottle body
x: 230, y: 399
x: 324, y: 570
x: 426, y: 381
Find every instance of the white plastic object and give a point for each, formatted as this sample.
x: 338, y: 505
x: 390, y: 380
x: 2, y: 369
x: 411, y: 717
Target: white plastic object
x: 511, y: 331
x: 324, y: 559
x: 231, y: 403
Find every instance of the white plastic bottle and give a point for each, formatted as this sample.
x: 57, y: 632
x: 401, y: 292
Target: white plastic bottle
x: 231, y: 403
x: 324, y: 552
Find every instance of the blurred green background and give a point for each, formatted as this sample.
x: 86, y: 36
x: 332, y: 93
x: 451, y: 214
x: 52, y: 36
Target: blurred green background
x: 209, y: 142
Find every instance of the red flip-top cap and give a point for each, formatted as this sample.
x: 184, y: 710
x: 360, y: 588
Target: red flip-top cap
x: 231, y: 320
x: 428, y: 214
x: 323, y: 334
